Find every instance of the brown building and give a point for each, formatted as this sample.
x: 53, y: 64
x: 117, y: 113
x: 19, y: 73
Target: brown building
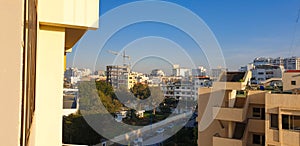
x: 247, y: 117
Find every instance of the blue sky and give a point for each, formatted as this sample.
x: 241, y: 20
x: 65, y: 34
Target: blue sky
x: 244, y: 30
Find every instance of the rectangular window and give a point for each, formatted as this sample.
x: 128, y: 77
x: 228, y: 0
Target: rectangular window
x: 258, y: 139
x: 293, y: 82
x: 274, y: 121
x: 256, y: 112
x: 285, y: 122
x: 262, y: 113
x: 290, y: 122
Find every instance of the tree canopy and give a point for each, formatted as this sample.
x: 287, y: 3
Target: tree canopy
x: 141, y: 91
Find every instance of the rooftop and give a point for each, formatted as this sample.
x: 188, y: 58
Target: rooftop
x: 232, y: 76
x: 292, y: 71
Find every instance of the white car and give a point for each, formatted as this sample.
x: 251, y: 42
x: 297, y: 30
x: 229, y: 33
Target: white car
x: 160, y: 130
x: 171, y: 125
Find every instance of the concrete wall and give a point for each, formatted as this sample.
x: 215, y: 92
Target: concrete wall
x: 281, y: 104
x: 49, y: 86
x: 207, y: 127
x: 11, y: 13
x: 70, y: 13
x: 288, y: 77
x: 256, y: 97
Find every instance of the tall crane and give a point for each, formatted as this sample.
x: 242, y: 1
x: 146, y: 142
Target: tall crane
x: 124, y: 56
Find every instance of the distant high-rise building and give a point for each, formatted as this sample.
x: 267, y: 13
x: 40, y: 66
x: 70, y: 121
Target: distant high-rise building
x: 292, y: 63
x: 200, y: 71
x: 117, y: 75
x: 157, y: 73
x: 179, y: 71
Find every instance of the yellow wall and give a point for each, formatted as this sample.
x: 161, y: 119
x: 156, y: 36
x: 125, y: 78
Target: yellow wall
x: 49, y: 86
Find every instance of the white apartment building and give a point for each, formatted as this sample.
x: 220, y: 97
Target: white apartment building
x: 292, y: 63
x: 200, y: 71
x: 177, y: 87
x: 179, y: 71
x: 261, y: 73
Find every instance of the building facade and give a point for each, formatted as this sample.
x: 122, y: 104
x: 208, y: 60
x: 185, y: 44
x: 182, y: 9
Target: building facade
x: 37, y: 34
x: 249, y: 117
x: 261, y: 73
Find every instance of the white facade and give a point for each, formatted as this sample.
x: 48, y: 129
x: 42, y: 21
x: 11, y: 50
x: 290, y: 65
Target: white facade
x: 183, y: 72
x: 200, y: 71
x: 292, y: 63
x: 262, y: 73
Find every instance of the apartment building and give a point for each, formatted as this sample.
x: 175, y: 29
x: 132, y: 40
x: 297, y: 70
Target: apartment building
x: 35, y: 37
x: 249, y: 117
x: 117, y: 75
x: 262, y: 73
x: 291, y: 80
x: 292, y: 63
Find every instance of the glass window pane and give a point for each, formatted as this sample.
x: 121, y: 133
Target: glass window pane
x: 256, y: 139
x: 256, y: 112
x: 285, y: 122
x: 274, y: 121
x: 296, y: 122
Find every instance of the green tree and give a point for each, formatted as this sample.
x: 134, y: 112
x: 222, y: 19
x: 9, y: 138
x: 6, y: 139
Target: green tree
x: 77, y: 131
x: 157, y: 97
x: 140, y: 91
x: 92, y: 95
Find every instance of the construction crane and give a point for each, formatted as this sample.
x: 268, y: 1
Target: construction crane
x: 124, y: 56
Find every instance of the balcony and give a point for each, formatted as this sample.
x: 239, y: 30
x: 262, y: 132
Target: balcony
x: 69, y: 13
x: 220, y: 141
x: 229, y: 114
x: 256, y: 125
x: 233, y: 80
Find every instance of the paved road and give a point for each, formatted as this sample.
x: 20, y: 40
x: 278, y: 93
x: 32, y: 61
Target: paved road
x: 149, y: 134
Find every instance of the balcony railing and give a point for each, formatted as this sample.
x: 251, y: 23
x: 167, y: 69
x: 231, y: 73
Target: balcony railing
x: 232, y: 114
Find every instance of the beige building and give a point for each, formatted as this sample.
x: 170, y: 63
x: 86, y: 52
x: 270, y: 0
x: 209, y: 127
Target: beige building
x: 291, y: 80
x: 249, y: 117
x: 35, y: 36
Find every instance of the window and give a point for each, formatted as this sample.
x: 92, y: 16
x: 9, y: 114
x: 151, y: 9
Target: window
x: 293, y: 82
x: 260, y: 73
x: 274, y: 121
x: 285, y: 122
x: 258, y: 113
x: 290, y: 122
x: 258, y: 139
